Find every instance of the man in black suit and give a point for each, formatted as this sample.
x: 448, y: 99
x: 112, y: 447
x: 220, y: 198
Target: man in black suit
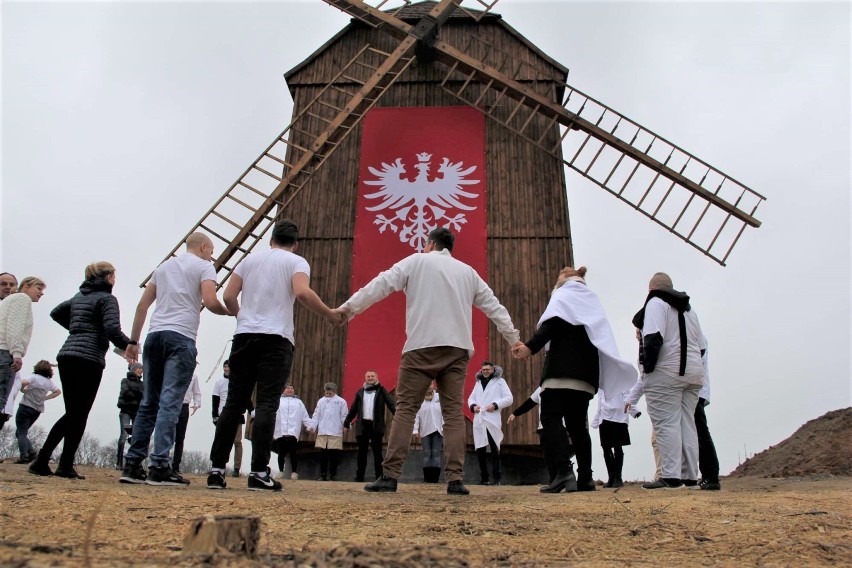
x: 369, y: 406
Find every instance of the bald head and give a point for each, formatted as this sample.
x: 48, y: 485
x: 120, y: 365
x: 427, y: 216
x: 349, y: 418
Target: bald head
x: 200, y: 245
x: 661, y: 281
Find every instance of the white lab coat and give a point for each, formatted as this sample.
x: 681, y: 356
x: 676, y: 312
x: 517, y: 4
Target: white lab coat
x: 489, y: 422
x: 329, y: 416
x: 291, y: 416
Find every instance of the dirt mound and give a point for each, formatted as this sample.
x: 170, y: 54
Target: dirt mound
x: 823, y: 445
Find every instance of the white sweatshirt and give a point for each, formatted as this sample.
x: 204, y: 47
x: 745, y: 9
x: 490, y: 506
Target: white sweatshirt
x: 489, y: 421
x: 16, y: 324
x: 291, y: 416
x: 329, y: 416
x: 612, y: 410
x: 439, y: 292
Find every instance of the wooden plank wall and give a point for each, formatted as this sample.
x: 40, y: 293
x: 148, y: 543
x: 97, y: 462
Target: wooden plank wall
x: 528, y: 230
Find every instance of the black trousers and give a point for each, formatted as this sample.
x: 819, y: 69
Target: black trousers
x: 369, y: 438
x: 482, y: 457
x: 257, y: 360
x: 80, y: 380
x: 287, y: 446
x: 572, y: 406
x: 708, y: 462
x: 180, y: 434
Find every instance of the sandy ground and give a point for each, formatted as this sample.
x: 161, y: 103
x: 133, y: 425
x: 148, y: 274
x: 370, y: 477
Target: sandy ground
x: 753, y: 521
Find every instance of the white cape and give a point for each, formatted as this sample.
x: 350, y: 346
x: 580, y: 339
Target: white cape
x: 578, y: 305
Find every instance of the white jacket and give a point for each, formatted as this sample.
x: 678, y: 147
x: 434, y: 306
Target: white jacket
x: 329, y: 416
x: 291, y: 416
x: 612, y: 409
x: 489, y: 421
x: 193, y: 393
x: 429, y: 418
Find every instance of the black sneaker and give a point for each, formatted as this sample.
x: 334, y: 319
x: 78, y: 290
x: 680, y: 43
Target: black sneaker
x: 663, y: 484
x: 711, y: 485
x: 265, y: 483
x: 216, y: 480
x: 164, y: 476
x: 133, y: 474
x: 382, y: 484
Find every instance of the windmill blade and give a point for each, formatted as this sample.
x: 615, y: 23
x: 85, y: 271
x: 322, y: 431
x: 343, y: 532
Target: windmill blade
x: 701, y: 205
x: 698, y: 203
x: 242, y: 216
x: 244, y: 213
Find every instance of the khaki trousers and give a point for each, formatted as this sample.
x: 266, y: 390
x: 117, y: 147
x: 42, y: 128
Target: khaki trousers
x: 447, y: 366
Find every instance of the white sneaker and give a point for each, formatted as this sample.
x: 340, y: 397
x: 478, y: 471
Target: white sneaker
x: 294, y: 476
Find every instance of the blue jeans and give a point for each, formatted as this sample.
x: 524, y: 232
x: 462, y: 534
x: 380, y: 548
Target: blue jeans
x: 24, y: 419
x: 7, y: 377
x: 433, y: 448
x: 168, y: 363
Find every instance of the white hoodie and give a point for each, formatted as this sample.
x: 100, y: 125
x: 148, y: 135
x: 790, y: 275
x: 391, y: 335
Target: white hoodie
x: 291, y: 416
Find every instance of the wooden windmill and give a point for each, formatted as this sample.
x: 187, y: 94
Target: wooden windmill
x: 448, y: 54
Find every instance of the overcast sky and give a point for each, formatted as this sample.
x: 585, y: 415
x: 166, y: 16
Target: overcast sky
x: 123, y: 122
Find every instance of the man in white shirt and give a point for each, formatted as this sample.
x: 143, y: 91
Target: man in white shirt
x: 219, y: 398
x: 672, y: 346
x: 440, y: 292
x: 191, y: 404
x: 179, y: 286
x: 262, y: 351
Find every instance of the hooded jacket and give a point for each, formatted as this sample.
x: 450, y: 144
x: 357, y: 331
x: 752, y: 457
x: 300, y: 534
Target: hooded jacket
x: 93, y: 320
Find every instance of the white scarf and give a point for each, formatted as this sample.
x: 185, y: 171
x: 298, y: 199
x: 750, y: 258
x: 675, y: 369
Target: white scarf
x: 576, y: 304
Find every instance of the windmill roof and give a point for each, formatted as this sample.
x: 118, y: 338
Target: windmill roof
x: 415, y: 11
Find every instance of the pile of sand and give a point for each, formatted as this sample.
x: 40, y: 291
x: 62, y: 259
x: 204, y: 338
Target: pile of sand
x: 821, y: 446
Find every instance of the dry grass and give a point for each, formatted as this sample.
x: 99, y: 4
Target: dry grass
x: 99, y: 522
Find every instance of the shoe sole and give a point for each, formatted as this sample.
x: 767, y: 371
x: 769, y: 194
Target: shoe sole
x: 165, y: 483
x: 271, y: 489
x: 132, y: 480
x: 215, y: 487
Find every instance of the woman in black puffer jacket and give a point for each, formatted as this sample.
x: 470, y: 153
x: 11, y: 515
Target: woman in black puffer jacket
x: 92, y: 318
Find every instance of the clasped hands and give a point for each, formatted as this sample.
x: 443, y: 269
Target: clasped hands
x: 521, y: 351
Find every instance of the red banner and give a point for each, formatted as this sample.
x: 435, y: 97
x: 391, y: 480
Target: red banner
x: 421, y: 168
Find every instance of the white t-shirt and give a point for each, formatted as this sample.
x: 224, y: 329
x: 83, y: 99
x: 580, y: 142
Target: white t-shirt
x: 220, y: 389
x: 266, y: 304
x: 178, y: 282
x: 662, y: 318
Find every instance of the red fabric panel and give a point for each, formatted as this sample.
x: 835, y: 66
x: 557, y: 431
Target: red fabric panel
x: 408, y: 157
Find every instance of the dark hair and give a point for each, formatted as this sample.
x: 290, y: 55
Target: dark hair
x: 43, y: 368
x: 227, y: 362
x: 489, y: 363
x: 285, y: 233
x: 443, y: 239
x: 10, y: 274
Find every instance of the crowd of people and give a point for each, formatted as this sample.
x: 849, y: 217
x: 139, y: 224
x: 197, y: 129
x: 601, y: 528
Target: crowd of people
x: 158, y: 395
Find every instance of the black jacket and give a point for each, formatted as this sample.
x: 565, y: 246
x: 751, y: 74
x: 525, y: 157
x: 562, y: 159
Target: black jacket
x: 93, y: 321
x: 130, y: 395
x: 571, y: 355
x: 383, y: 399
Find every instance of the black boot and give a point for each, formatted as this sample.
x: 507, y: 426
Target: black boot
x: 609, y: 461
x: 618, y: 463
x: 384, y: 484
x: 432, y: 474
x: 563, y: 480
x: 585, y: 481
x: 457, y: 488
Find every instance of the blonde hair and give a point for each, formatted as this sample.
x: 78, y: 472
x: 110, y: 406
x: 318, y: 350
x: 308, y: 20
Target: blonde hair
x: 31, y: 281
x: 100, y: 269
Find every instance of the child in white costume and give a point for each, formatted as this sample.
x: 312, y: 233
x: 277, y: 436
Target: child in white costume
x: 327, y: 420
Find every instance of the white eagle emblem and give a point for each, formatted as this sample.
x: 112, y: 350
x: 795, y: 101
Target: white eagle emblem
x: 421, y: 204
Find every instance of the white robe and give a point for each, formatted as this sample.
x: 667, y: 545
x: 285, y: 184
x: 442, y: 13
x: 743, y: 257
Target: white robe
x: 576, y: 304
x: 485, y: 422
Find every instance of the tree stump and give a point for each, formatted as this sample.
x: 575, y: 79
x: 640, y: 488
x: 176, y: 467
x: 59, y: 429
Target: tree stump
x: 223, y: 534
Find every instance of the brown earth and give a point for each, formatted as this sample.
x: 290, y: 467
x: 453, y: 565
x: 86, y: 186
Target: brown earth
x: 821, y: 446
x: 753, y: 521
